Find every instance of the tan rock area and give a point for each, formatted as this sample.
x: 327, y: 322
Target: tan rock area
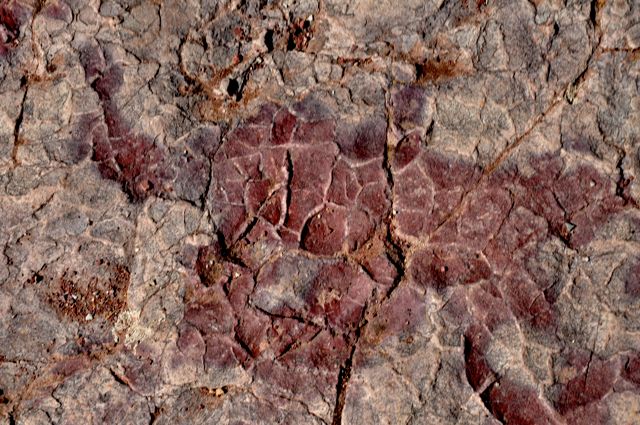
x: 320, y: 212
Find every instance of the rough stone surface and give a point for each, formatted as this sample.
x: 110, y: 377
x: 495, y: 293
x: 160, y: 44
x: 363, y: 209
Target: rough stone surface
x: 320, y: 212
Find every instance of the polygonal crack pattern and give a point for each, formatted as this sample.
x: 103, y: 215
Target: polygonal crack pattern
x: 308, y: 179
x: 292, y: 282
x: 313, y: 212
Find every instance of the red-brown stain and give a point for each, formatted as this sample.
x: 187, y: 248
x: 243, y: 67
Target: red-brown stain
x: 438, y: 69
x: 300, y: 33
x: 101, y: 292
x: 12, y: 16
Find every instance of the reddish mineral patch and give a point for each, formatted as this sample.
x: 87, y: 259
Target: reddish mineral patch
x: 444, y: 266
x: 309, y: 182
x: 300, y: 178
x: 133, y: 160
x: 632, y: 280
x: 399, y: 316
x: 99, y: 293
x: 71, y: 365
x: 631, y: 370
x: 409, y: 107
x: 57, y: 9
x: 327, y: 213
x: 526, y: 301
x: 300, y: 33
x: 513, y: 403
x: 476, y: 367
x: 12, y: 16
x: 588, y: 387
x: 325, y: 232
x: 407, y: 150
x: 438, y: 69
x: 427, y: 188
x: 298, y: 318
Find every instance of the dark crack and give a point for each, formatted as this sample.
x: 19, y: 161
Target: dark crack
x: 345, y: 371
x: 16, y: 130
x: 289, y: 163
x: 623, y: 184
x: 302, y: 291
x: 486, y: 401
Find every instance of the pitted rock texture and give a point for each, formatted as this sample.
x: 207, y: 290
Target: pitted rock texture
x: 320, y: 212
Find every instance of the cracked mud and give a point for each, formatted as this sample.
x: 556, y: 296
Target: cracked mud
x: 319, y: 212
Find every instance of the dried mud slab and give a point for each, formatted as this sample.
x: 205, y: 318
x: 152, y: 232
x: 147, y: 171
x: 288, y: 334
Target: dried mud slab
x: 320, y: 212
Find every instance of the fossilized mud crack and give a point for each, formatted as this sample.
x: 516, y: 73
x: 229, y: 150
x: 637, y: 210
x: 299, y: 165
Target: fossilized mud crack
x: 319, y: 212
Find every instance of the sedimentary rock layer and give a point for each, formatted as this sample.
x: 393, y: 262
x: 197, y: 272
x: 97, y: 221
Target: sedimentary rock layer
x: 318, y: 211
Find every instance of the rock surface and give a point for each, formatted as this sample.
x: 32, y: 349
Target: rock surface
x: 320, y: 212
